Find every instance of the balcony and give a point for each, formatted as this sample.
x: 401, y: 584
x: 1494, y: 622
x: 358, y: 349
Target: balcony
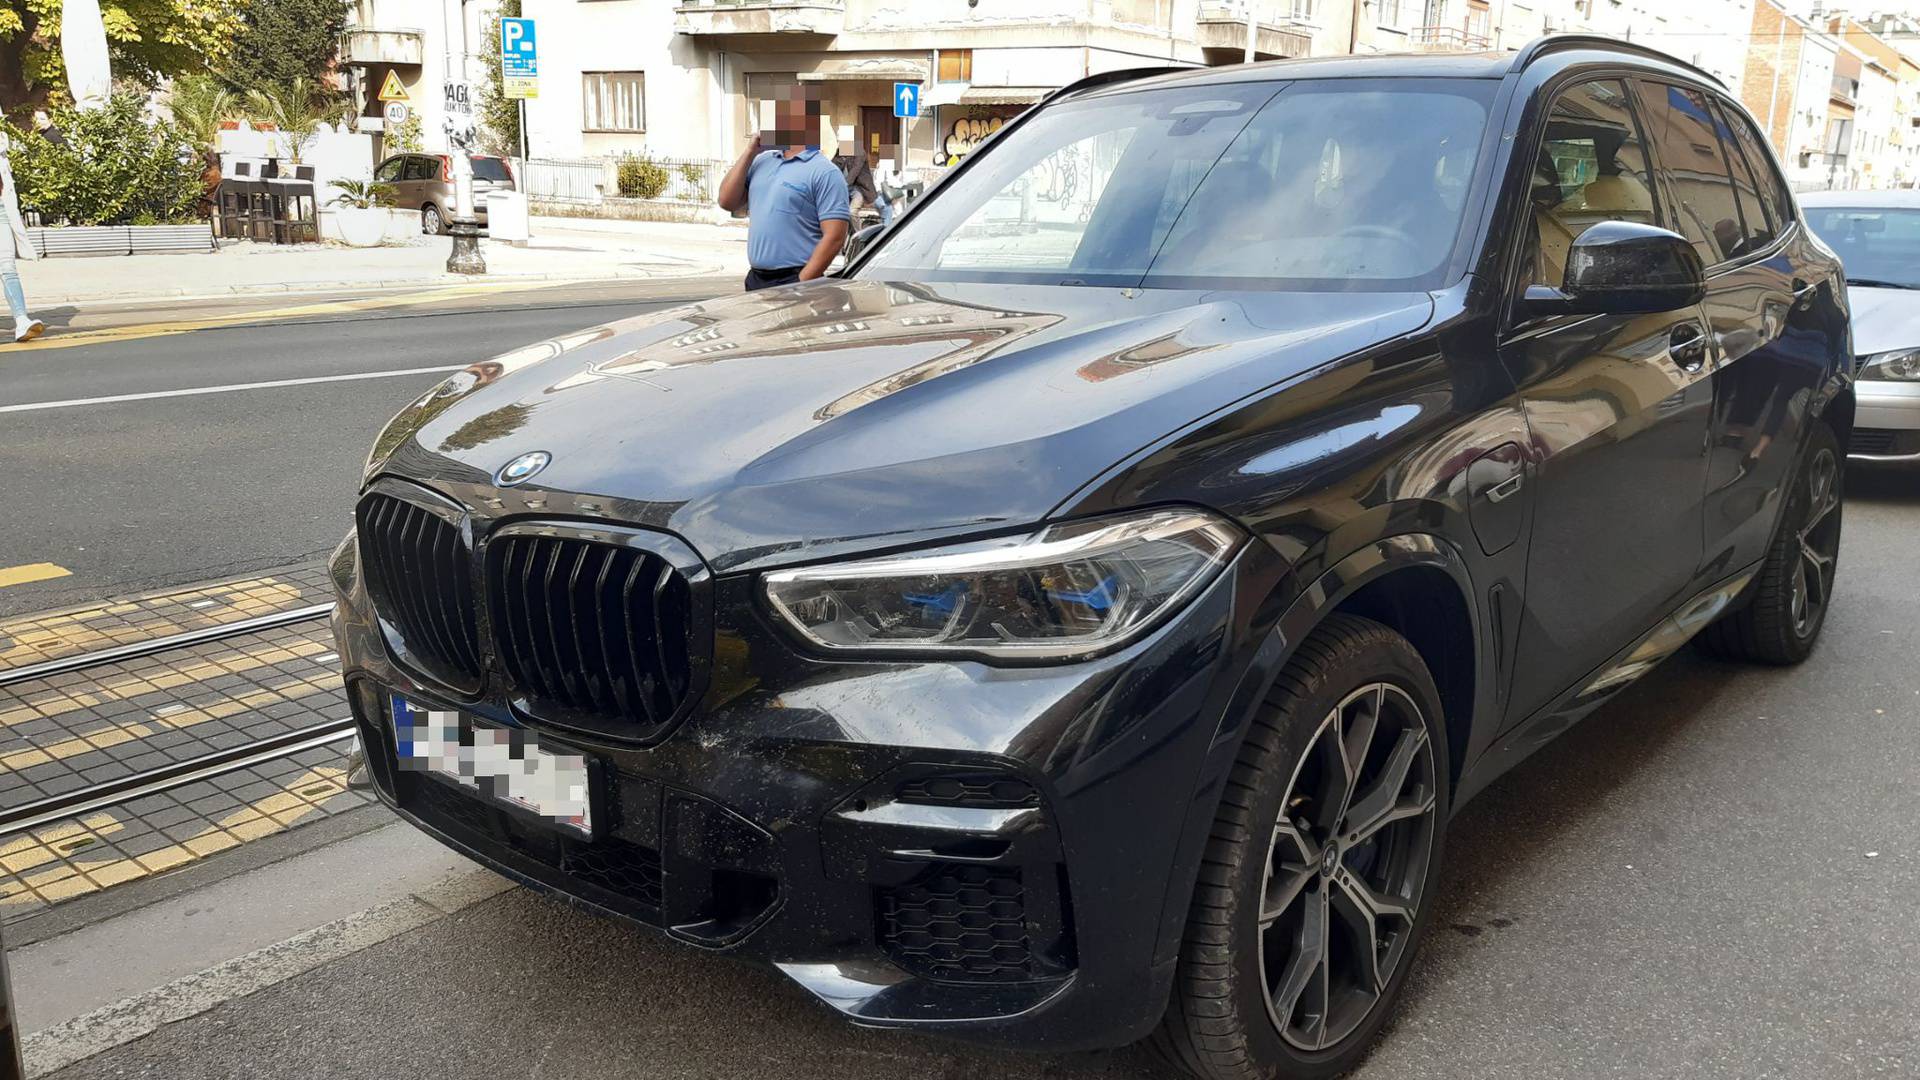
x: 362, y: 45
x: 1448, y: 39
x: 748, y: 17
x: 1222, y: 26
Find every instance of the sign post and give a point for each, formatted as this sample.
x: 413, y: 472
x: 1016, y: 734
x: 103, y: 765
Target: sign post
x: 906, y: 106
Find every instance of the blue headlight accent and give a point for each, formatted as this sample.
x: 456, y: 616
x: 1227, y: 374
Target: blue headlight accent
x: 942, y: 602
x: 1100, y: 598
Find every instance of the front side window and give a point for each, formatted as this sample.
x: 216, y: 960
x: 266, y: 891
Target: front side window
x: 389, y: 170
x: 1875, y: 244
x: 1686, y: 143
x: 1334, y: 184
x: 1591, y: 167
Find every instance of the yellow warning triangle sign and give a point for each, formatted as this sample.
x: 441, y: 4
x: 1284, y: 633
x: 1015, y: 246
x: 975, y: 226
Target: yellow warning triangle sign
x: 391, y: 90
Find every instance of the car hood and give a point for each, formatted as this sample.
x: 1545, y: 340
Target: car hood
x: 1884, y: 319
x: 838, y: 416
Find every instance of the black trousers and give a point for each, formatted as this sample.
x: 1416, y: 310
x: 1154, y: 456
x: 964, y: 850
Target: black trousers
x: 767, y: 279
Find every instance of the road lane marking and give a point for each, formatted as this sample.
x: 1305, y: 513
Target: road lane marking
x: 70, y: 339
x: 195, y: 391
x: 40, y: 571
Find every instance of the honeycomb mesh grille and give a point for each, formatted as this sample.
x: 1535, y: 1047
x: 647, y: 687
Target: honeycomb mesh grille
x: 959, y: 923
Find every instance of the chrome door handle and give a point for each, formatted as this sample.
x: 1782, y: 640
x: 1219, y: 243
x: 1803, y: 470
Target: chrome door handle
x: 1688, y: 347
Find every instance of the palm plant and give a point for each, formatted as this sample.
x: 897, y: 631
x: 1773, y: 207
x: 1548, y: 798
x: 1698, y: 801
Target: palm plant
x: 295, y: 108
x: 364, y: 194
x: 198, y: 105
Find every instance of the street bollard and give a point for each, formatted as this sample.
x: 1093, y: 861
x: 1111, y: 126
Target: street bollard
x: 10, y: 1064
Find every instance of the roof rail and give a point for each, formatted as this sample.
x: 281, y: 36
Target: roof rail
x: 1117, y: 75
x: 1541, y: 46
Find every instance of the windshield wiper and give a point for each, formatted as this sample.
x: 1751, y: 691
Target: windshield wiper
x: 1876, y: 283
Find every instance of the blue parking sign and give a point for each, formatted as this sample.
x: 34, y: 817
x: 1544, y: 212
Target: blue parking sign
x: 906, y: 99
x: 519, y: 58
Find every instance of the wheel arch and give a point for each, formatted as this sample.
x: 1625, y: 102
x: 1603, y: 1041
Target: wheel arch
x: 1416, y: 583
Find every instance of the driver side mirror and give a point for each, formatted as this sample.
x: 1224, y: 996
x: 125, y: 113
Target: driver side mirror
x: 1623, y: 268
x: 862, y: 240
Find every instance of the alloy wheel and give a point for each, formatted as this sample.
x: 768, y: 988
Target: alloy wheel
x: 1819, y: 537
x: 1348, y: 866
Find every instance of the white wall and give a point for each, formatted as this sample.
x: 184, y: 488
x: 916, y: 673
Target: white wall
x: 619, y: 35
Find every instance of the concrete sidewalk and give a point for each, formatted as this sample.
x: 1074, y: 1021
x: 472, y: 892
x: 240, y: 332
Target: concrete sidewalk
x: 562, y: 249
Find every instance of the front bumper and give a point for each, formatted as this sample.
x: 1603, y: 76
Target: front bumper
x: 1001, y: 854
x: 1886, y: 421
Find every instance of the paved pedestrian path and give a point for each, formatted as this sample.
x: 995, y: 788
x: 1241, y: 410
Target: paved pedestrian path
x: 561, y: 249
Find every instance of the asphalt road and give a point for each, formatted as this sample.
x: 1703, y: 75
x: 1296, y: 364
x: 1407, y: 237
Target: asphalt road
x: 130, y: 495
x: 1714, y: 876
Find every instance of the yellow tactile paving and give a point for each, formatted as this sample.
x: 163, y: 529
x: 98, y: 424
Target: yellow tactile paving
x: 165, y: 832
x: 228, y: 658
x: 53, y: 635
x: 40, y: 571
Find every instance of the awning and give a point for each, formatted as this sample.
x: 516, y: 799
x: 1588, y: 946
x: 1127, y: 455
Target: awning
x: 1004, y: 95
x: 876, y: 68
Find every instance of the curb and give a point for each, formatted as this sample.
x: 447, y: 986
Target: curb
x: 365, y: 285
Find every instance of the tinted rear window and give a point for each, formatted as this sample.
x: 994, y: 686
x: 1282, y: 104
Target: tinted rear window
x: 490, y: 168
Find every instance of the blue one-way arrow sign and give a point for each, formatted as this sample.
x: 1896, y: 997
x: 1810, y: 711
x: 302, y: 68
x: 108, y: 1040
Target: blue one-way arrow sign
x: 906, y: 99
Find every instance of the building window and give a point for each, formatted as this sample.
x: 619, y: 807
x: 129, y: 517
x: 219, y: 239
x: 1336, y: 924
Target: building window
x: 956, y: 65
x: 1390, y: 12
x: 614, y: 101
x: 1302, y: 10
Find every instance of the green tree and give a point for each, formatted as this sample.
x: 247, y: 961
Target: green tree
x: 147, y: 40
x: 283, y: 40
x: 115, y: 168
x: 499, y: 114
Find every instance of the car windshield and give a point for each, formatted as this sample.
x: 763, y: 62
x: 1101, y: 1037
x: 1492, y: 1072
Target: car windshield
x: 1347, y: 184
x: 1877, y: 245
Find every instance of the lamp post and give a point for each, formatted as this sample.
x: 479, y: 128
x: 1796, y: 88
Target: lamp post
x: 465, y: 258
x: 83, y: 49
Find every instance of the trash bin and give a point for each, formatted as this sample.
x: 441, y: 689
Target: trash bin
x: 507, y: 216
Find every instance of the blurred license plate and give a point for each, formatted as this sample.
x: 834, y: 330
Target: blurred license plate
x: 506, y: 765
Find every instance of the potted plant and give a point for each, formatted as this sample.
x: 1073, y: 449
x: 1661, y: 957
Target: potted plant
x: 361, y: 210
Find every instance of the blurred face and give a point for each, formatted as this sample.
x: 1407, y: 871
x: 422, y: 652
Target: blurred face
x: 796, y: 118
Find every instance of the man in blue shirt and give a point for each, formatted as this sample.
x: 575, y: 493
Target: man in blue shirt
x: 796, y: 200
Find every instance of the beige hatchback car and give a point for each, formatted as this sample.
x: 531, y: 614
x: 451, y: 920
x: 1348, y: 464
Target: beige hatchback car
x: 424, y: 182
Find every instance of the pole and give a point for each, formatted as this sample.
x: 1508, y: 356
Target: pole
x: 524, y: 152
x: 1253, y: 27
x: 465, y: 258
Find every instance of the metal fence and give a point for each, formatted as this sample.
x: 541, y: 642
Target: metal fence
x: 594, y: 180
x: 576, y: 180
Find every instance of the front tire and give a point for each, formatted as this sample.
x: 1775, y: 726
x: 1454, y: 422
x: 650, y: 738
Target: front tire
x: 1787, y: 603
x: 1321, y: 868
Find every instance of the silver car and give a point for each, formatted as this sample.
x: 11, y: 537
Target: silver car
x: 424, y: 182
x: 1877, y: 235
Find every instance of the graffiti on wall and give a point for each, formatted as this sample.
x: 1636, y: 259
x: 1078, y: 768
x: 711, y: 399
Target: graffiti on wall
x: 964, y: 128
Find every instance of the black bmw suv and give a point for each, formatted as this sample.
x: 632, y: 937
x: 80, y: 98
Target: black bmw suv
x: 1078, y: 621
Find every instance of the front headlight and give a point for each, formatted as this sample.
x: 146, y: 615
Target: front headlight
x: 1900, y: 365
x: 1064, y: 592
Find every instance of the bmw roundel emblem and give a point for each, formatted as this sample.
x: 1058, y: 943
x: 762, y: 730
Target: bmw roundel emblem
x: 522, y: 468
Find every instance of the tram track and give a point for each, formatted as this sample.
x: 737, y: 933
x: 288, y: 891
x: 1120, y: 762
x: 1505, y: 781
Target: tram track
x: 138, y: 784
